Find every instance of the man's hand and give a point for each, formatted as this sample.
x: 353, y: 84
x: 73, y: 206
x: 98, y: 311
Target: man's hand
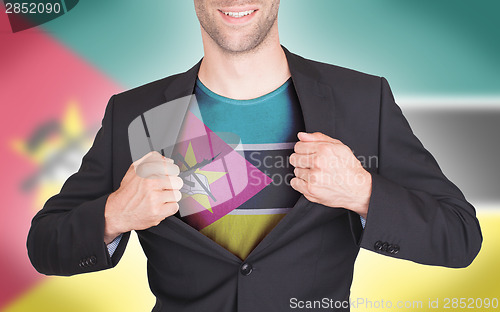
x: 148, y: 193
x: 328, y: 173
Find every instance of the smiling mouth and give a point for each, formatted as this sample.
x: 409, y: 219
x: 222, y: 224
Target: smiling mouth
x: 238, y: 14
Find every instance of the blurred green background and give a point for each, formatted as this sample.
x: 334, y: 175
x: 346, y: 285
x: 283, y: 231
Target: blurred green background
x: 423, y: 47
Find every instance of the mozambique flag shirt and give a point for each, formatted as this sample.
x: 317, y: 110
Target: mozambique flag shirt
x: 264, y: 131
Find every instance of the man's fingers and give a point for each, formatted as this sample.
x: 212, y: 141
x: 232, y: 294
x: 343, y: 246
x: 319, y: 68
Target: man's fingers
x: 172, y: 183
x: 157, y: 169
x: 301, y: 186
x: 171, y: 208
x: 171, y: 196
x: 313, y: 147
x: 143, y: 158
x: 302, y: 173
x: 316, y: 137
x: 152, y: 156
x: 302, y: 161
x: 157, y: 157
x: 298, y: 184
x: 165, y: 183
x: 168, y: 160
x: 303, y: 147
x: 310, y: 176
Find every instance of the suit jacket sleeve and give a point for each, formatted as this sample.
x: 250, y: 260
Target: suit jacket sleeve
x: 67, y: 236
x: 415, y: 212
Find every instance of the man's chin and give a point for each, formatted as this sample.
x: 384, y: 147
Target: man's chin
x: 239, y: 45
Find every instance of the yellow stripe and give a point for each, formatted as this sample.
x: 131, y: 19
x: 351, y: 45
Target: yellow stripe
x: 124, y: 288
x: 240, y: 234
x: 383, y: 278
x: 376, y: 278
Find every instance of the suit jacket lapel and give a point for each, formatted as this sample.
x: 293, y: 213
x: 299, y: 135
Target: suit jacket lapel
x: 183, y: 84
x: 316, y: 98
x: 318, y: 110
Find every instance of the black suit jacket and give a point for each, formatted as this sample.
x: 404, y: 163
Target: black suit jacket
x: 415, y: 212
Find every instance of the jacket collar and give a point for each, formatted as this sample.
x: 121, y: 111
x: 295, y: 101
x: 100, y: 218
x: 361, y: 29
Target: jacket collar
x: 315, y: 96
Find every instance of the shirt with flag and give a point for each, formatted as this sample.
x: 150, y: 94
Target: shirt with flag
x: 264, y: 131
x: 234, y: 160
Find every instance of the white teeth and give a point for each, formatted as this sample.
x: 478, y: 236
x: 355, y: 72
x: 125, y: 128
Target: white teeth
x: 239, y: 14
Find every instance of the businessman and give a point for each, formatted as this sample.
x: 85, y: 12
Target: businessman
x: 293, y: 238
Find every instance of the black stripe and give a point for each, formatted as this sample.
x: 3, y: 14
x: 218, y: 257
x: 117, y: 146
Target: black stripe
x: 274, y: 163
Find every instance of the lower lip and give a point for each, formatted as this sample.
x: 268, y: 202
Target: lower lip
x: 237, y: 20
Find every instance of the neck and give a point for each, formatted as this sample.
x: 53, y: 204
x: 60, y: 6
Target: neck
x: 247, y: 75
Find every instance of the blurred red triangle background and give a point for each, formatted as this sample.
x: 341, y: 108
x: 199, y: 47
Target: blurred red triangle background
x: 39, y: 77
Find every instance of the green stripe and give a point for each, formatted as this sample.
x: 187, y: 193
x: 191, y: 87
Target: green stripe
x: 423, y: 47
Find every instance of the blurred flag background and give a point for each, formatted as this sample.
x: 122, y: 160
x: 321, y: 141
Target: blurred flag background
x: 441, y: 58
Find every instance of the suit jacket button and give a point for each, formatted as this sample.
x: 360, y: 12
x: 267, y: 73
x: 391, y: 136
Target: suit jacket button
x: 93, y: 260
x: 384, y: 246
x: 246, y: 269
x: 390, y: 249
x: 396, y: 249
x: 378, y: 245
